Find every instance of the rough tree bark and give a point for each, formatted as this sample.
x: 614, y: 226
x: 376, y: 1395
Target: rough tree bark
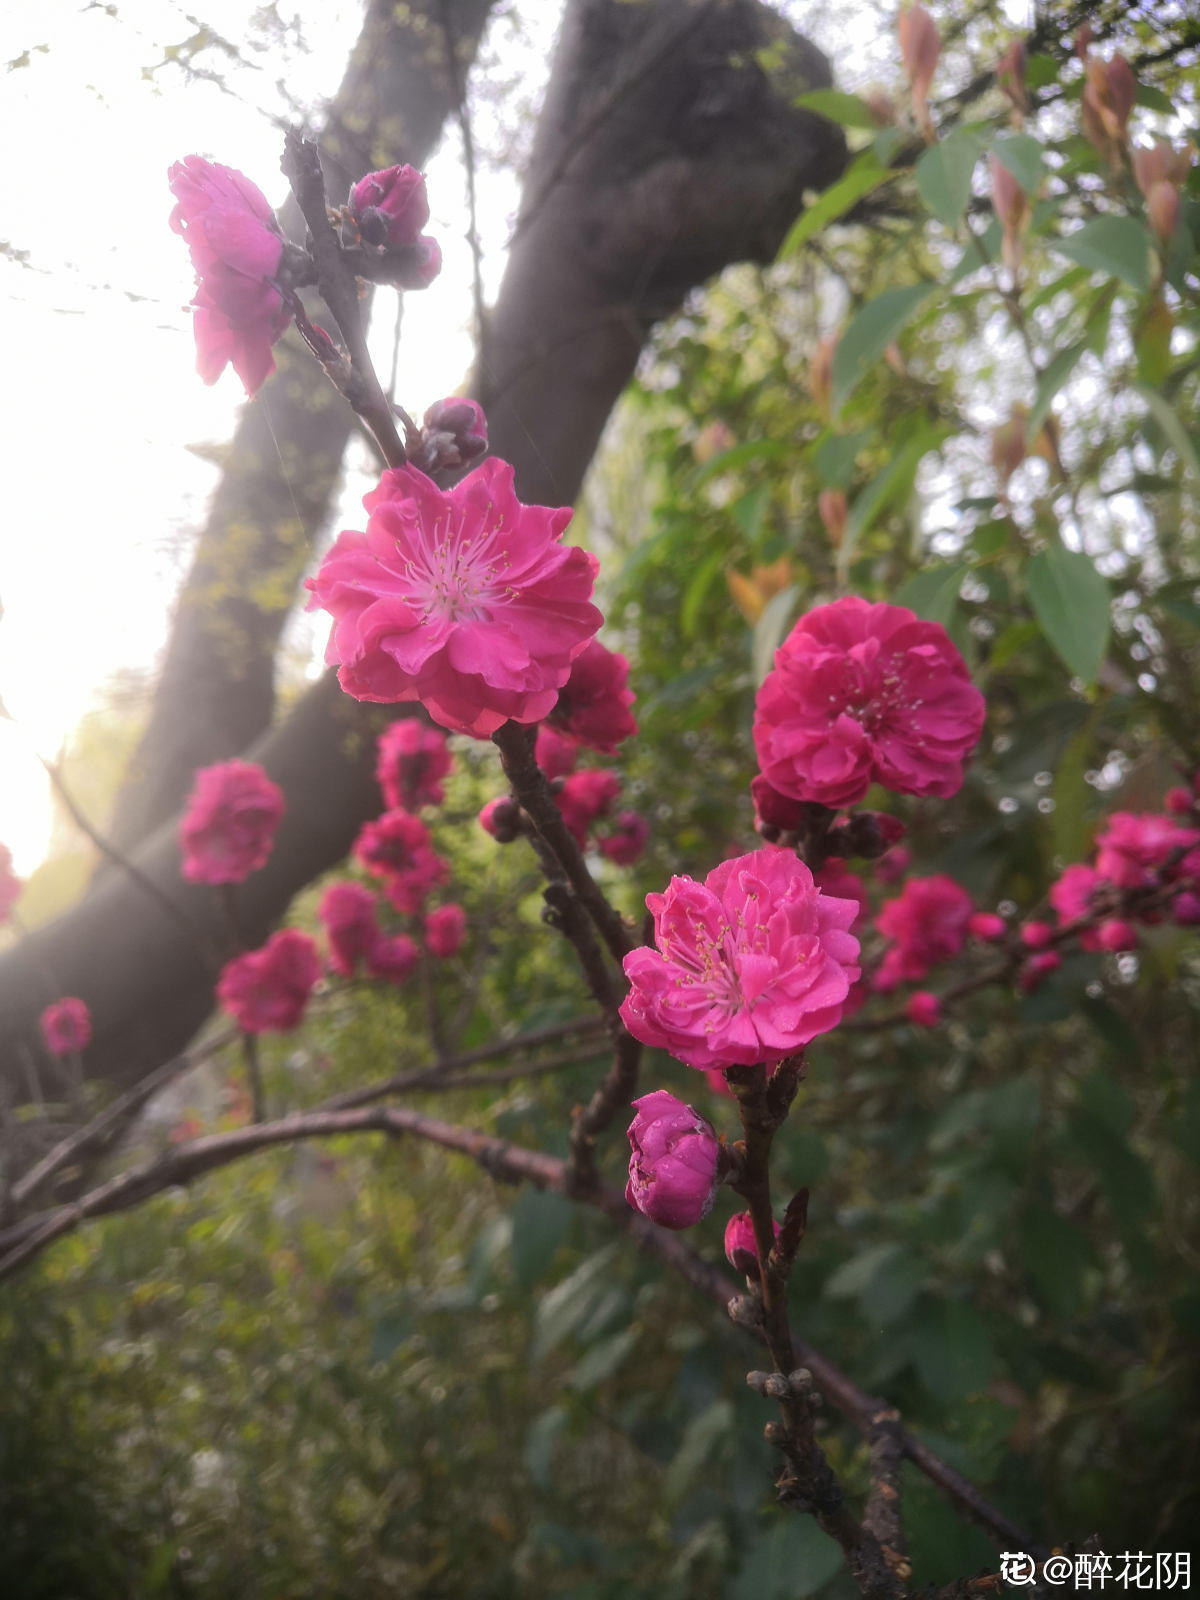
x: 666, y: 151
x: 215, y: 694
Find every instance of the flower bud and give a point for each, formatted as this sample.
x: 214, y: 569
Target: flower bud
x: 831, y: 503
x: 390, y: 206
x: 66, y: 1026
x: 445, y: 930
x: 923, y: 1010
x: 625, y: 846
x: 501, y: 818
x: 920, y: 47
x: 1162, y: 211
x: 1010, y: 74
x: 741, y: 1249
x: 866, y: 834
x: 1036, y: 935
x: 673, y: 1171
x: 1179, y: 800
x: 1160, y: 163
x: 775, y: 810
x: 1036, y: 968
x: 1116, y: 934
x: 986, y: 926
x: 454, y: 435
x: 1012, y: 208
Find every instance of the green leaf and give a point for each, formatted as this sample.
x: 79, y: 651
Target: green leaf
x: 1178, y: 437
x: 737, y: 456
x: 1056, y: 1256
x: 561, y: 1310
x: 933, y: 594
x: 860, y: 178
x: 870, y: 333
x: 1152, y: 341
x: 944, y: 175
x: 1071, y: 601
x: 893, y: 482
x: 1071, y: 828
x: 846, y: 109
x: 1022, y: 155
x: 1118, y: 246
x: 540, y: 1221
x: 835, y: 454
x: 1041, y: 71
x: 790, y: 1562
x: 770, y: 629
x: 1050, y: 382
x: 602, y: 1360
x: 539, y: 1444
x: 1153, y: 100
x: 951, y: 1348
x: 697, y: 590
x: 702, y: 1438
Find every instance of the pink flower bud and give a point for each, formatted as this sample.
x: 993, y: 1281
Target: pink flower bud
x: 1160, y: 163
x: 390, y: 206
x: 920, y: 47
x: 625, y: 846
x: 1179, y: 800
x: 674, y: 1165
x: 923, y: 1010
x: 66, y: 1026
x: 1036, y: 968
x: 1036, y: 935
x: 501, y: 818
x: 986, y: 926
x: 1116, y: 934
x: 445, y: 930
x: 454, y: 435
x: 831, y: 504
x: 775, y: 810
x: 741, y: 1247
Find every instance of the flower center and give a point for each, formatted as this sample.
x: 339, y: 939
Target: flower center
x: 452, y: 572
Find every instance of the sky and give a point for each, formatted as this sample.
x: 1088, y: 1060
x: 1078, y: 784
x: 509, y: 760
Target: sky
x: 105, y: 420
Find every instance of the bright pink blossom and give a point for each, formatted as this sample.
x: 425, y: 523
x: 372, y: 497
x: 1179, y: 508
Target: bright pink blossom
x: 229, y: 825
x: 1071, y: 896
x: 927, y: 922
x: 348, y: 913
x: 673, y: 1168
x: 751, y: 964
x: 391, y: 960
x: 67, y: 1026
x: 1115, y: 933
x: 397, y: 848
x: 593, y: 705
x: 235, y: 244
x: 864, y: 694
x: 267, y: 990
x: 986, y: 926
x: 1179, y: 801
x: 554, y: 752
x: 923, y: 1009
x: 741, y: 1247
x: 10, y: 885
x: 585, y: 797
x: 625, y: 845
x: 1134, y: 847
x: 464, y: 600
x: 1185, y: 909
x: 445, y: 930
x: 411, y: 764
x: 836, y: 880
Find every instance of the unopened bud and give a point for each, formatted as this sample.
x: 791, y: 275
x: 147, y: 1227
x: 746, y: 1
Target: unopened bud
x: 1162, y: 211
x: 831, y: 504
x: 454, y: 435
x: 1010, y: 74
x: 501, y: 818
x: 820, y: 374
x: 920, y: 47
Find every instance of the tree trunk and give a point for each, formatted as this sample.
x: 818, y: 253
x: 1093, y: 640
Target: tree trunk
x: 665, y: 152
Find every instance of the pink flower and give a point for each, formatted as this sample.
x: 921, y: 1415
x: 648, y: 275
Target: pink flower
x: 229, y: 825
x: 1071, y: 896
x: 445, y: 930
x: 774, y: 810
x: 396, y: 847
x: 751, y: 964
x: 464, y: 600
x: 835, y: 879
x: 66, y: 1027
x: 865, y: 693
x: 1134, y: 848
x: 1036, y: 935
x: 391, y: 960
x: 1186, y: 910
x: 585, y: 798
x: 413, y: 760
x: 554, y: 752
x: 927, y: 922
x: 624, y: 846
x: 673, y: 1168
x: 397, y: 197
x: 1115, y: 933
x: 593, y: 705
x: 267, y: 990
x: 741, y: 1247
x: 986, y: 926
x: 235, y: 244
x: 348, y: 913
x: 10, y: 885
x: 923, y: 1010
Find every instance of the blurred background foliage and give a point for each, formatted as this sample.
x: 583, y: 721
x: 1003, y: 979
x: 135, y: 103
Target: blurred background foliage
x: 350, y: 1369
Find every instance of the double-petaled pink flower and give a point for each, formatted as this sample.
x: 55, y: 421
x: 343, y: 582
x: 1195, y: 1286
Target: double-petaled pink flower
x: 751, y: 964
x: 864, y: 694
x: 267, y: 990
x: 397, y: 848
x: 228, y: 828
x: 66, y: 1026
x: 674, y: 1162
x: 411, y: 764
x: 1135, y: 848
x: 465, y: 600
x: 927, y: 922
x: 593, y: 705
x: 235, y: 244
